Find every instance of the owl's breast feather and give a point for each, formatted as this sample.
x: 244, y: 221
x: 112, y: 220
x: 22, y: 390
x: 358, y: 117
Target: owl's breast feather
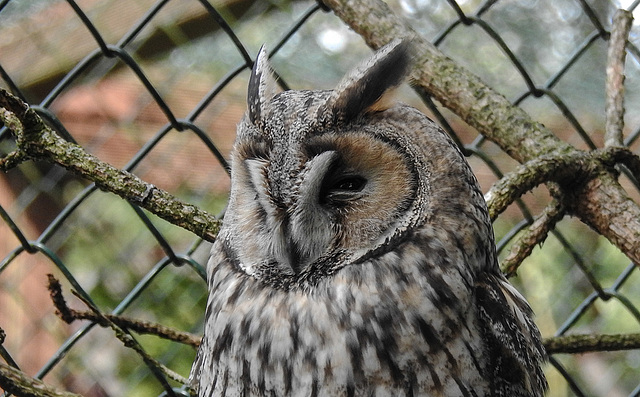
x: 399, y: 322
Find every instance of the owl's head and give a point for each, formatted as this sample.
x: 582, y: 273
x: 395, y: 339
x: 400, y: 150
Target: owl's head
x: 324, y: 179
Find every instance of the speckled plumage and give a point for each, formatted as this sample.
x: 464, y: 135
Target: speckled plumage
x: 357, y: 257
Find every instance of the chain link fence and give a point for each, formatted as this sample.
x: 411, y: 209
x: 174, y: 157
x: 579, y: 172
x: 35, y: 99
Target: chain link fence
x: 156, y: 88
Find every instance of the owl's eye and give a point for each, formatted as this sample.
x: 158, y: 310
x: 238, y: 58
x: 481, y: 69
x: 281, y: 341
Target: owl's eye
x: 349, y: 183
x: 339, y: 190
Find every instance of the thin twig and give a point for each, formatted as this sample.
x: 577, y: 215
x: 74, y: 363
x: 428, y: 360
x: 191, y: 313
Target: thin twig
x: 535, y: 234
x: 157, y: 369
x: 614, y: 106
x: 573, y: 344
x: 69, y: 315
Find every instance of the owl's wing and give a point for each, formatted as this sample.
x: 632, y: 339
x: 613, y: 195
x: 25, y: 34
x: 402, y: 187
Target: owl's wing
x: 513, y: 342
x: 194, y: 375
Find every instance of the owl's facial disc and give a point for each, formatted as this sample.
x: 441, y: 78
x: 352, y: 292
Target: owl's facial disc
x: 309, y: 182
x: 335, y: 191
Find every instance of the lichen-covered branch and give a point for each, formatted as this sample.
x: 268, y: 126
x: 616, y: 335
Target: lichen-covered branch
x: 36, y: 140
x: 601, y: 202
x: 69, y: 315
x: 535, y: 234
x: 614, y: 106
x: 16, y: 382
x: 568, y: 170
x: 573, y: 344
x: 536, y: 172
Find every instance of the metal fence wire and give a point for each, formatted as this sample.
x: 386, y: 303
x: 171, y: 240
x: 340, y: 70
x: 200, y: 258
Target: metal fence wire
x: 157, y: 87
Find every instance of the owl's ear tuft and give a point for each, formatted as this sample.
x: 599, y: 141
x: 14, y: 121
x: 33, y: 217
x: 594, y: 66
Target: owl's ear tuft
x: 262, y: 87
x: 360, y: 90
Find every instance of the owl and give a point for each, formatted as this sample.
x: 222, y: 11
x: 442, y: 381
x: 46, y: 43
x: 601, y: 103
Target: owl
x: 357, y: 257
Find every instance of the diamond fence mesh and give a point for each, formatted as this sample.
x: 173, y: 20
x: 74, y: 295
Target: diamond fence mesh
x: 156, y: 88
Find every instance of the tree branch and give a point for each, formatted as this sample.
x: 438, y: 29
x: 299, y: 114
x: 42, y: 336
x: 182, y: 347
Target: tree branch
x: 533, y: 173
x: 602, y: 203
x: 614, y: 106
x: 567, y: 169
x: 573, y: 344
x: 16, y: 382
x: 36, y: 140
x: 69, y: 315
x: 157, y: 369
x: 535, y: 234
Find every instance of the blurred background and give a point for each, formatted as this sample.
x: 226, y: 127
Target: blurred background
x: 157, y: 88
